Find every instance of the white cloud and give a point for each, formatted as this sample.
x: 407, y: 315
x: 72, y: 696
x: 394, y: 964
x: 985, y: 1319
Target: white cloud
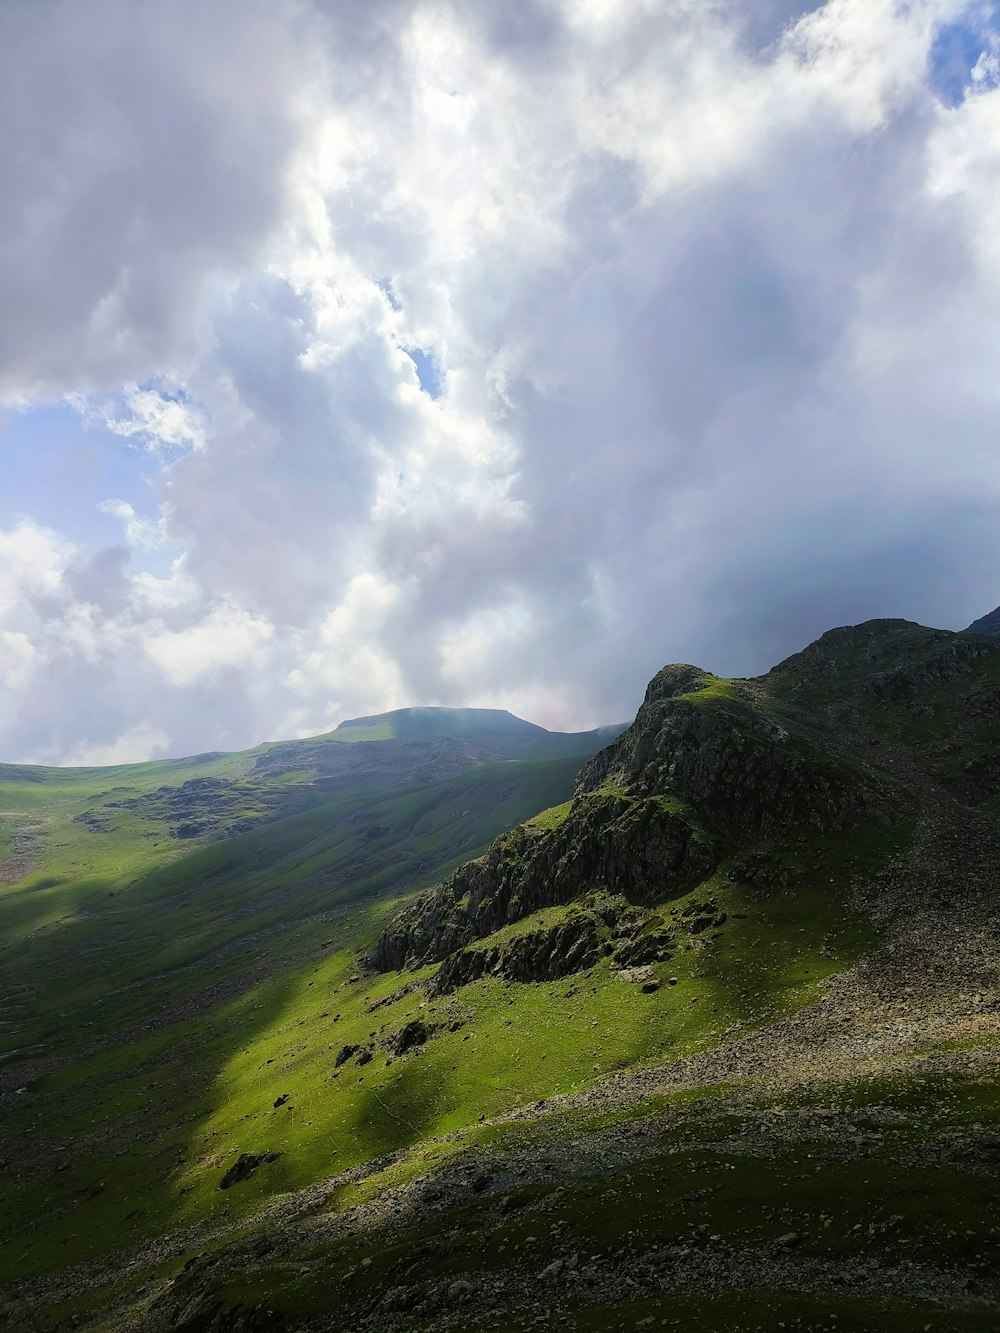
x: 347, y: 663
x: 712, y: 288
x: 153, y: 595
x: 132, y: 747
x: 17, y: 659
x: 138, y: 531
x: 158, y: 420
x: 156, y: 173
x: 227, y: 637
x: 31, y: 559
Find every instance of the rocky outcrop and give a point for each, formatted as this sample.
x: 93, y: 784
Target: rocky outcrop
x: 411, y: 1035
x: 244, y: 1167
x: 707, y: 765
x: 761, y: 871
x: 638, y: 947
x: 640, y: 848
x: 344, y: 1054
x: 202, y: 807
x: 892, y: 661
x: 539, y: 955
x: 741, y: 766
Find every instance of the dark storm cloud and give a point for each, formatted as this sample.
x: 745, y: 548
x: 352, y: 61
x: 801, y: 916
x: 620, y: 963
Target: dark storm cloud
x: 144, y: 148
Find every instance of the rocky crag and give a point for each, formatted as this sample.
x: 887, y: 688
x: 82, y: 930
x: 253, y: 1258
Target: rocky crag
x: 710, y: 769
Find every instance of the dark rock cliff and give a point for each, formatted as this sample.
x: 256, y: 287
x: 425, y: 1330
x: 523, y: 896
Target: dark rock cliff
x: 718, y: 747
x: 892, y: 661
x: 638, y: 848
x: 706, y: 767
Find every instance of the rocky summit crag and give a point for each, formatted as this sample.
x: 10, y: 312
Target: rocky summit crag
x: 708, y: 768
x: 712, y: 1043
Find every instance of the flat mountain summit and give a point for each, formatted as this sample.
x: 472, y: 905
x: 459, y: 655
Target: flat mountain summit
x: 419, y: 723
x: 707, y: 1039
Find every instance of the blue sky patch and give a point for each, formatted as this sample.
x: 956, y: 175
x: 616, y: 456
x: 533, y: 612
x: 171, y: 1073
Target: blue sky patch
x: 427, y: 371
x: 956, y: 51
x: 385, y: 287
x: 58, y: 470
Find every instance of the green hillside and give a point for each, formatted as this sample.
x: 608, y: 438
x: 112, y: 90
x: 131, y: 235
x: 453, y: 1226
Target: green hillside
x: 707, y: 1039
x: 159, y: 920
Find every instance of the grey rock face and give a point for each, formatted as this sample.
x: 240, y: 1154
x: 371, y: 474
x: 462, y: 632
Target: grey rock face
x: 733, y: 762
x: 638, y: 848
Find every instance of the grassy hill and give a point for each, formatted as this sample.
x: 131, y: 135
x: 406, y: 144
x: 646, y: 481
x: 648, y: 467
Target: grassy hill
x: 158, y: 921
x: 707, y: 1040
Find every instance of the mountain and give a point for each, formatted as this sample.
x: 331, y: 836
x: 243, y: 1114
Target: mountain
x: 707, y: 1041
x: 988, y: 624
x: 421, y: 723
x: 493, y: 728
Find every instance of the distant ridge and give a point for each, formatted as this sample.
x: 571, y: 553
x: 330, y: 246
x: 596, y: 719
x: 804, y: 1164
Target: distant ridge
x: 988, y: 624
x: 426, y: 723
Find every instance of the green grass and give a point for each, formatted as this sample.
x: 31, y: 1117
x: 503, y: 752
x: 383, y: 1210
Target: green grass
x: 694, y: 1190
x: 178, y: 989
x: 713, y: 690
x: 113, y: 926
x: 197, y: 1095
x: 550, y: 819
x: 158, y: 975
x: 517, y: 1043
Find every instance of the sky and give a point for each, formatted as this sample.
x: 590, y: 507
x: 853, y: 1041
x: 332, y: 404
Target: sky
x: 425, y: 352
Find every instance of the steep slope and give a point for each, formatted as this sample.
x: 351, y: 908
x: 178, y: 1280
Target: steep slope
x: 89, y: 852
x: 159, y: 919
x: 711, y: 1044
x: 708, y: 769
x: 988, y: 624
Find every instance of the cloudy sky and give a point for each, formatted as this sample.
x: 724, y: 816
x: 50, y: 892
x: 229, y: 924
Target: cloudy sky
x: 423, y: 351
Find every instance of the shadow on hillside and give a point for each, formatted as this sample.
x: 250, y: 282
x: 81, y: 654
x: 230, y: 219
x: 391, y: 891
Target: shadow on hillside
x: 153, y: 996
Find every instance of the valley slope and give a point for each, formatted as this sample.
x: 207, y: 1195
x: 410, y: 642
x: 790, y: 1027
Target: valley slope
x: 159, y: 921
x: 711, y: 1042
